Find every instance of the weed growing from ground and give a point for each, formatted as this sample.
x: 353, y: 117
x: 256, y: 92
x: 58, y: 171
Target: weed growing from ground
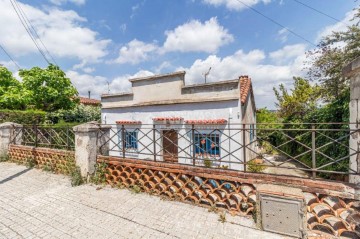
x: 222, y: 217
x: 99, y: 176
x: 4, y: 158
x: 30, y: 162
x: 76, y: 178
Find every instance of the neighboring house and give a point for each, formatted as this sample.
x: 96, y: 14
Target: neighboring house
x: 89, y: 101
x: 164, y: 108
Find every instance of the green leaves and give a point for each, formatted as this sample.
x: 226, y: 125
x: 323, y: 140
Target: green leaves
x: 43, y: 89
x: 49, y: 89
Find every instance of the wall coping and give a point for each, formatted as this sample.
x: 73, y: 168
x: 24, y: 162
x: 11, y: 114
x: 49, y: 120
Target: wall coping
x: 340, y: 189
x: 9, y: 125
x: 40, y: 149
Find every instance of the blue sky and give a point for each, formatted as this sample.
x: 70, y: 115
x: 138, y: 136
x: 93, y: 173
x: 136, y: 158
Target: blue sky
x: 107, y: 42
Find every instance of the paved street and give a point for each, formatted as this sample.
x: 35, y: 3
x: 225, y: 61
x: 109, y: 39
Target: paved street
x: 36, y: 204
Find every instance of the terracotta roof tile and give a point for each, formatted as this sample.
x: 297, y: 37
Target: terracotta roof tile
x: 88, y: 101
x: 208, y: 121
x: 168, y: 119
x: 245, y: 87
x: 127, y: 122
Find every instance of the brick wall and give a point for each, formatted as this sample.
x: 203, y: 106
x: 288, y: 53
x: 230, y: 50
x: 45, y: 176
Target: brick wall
x: 58, y: 161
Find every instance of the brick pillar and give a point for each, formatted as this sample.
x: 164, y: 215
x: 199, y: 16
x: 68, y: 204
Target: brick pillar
x: 87, y: 142
x: 352, y: 71
x: 9, y: 133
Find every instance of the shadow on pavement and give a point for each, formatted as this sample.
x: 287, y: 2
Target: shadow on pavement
x: 14, y: 176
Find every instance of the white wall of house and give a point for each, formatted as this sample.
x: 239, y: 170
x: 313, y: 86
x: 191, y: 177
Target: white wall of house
x: 167, y: 96
x: 229, y: 110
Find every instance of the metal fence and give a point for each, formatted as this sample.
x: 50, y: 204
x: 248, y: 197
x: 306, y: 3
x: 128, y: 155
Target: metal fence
x: 46, y: 136
x: 303, y: 150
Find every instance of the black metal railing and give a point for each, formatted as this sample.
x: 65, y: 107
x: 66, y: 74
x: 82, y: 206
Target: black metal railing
x: 304, y: 150
x: 47, y: 136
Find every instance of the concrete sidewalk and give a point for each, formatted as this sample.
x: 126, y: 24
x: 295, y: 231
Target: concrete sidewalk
x: 37, y: 204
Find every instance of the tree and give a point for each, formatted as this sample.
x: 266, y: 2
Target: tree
x: 49, y: 88
x: 332, y: 54
x: 303, y: 99
x: 12, y: 94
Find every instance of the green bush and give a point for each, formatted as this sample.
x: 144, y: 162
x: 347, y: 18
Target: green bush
x: 255, y: 167
x: 22, y: 117
x: 80, y: 114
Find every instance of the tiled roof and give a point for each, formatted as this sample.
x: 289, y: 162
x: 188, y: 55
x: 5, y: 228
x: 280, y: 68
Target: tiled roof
x: 88, y: 101
x: 168, y: 119
x: 245, y: 87
x: 208, y: 121
x: 127, y: 122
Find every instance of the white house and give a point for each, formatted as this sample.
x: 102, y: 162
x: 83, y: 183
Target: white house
x: 183, y: 123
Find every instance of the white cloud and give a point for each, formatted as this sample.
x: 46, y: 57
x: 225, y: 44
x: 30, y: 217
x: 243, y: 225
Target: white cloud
x: 60, y: 2
x: 264, y: 75
x: 60, y: 30
x: 134, y: 52
x: 99, y: 84
x: 339, y: 26
x: 287, y: 53
x: 195, y: 36
x: 234, y: 4
x: 283, y: 35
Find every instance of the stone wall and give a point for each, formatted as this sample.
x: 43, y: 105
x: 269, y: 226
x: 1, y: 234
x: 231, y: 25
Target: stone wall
x: 55, y: 160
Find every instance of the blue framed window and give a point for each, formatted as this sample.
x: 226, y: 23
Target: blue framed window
x: 252, y: 133
x: 131, y: 140
x: 207, y: 144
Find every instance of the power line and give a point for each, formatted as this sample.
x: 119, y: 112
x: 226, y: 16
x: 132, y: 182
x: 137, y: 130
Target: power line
x: 10, y: 57
x: 316, y: 10
x: 34, y: 31
x: 277, y: 23
x: 28, y: 31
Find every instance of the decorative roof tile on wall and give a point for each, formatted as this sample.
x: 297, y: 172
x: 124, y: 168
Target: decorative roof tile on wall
x: 127, y: 122
x: 245, y: 87
x: 88, y: 101
x: 209, y: 121
x: 168, y: 119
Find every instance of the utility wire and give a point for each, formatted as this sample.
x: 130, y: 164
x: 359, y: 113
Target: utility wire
x: 28, y: 31
x: 277, y: 23
x: 10, y: 57
x: 34, y: 31
x: 318, y: 11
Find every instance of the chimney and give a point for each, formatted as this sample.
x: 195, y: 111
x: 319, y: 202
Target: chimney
x: 89, y: 93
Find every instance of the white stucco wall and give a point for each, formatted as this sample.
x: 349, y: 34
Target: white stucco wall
x: 229, y: 110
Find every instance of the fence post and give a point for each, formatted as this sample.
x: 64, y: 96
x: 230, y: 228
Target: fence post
x: 244, y: 148
x: 9, y: 134
x: 123, y: 140
x: 313, y: 150
x: 67, y: 138
x: 154, y: 142
x: 352, y: 72
x: 193, y: 143
x: 36, y: 135
x: 86, y: 138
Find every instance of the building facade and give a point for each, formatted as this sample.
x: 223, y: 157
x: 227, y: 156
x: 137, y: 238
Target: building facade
x: 190, y: 124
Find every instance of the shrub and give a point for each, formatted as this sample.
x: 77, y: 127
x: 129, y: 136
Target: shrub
x: 22, y: 117
x: 4, y: 158
x: 80, y: 114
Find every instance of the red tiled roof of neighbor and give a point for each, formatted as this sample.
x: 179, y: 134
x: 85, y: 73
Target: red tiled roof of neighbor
x: 127, y: 122
x: 168, y: 119
x: 245, y: 87
x: 209, y: 121
x: 88, y: 101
